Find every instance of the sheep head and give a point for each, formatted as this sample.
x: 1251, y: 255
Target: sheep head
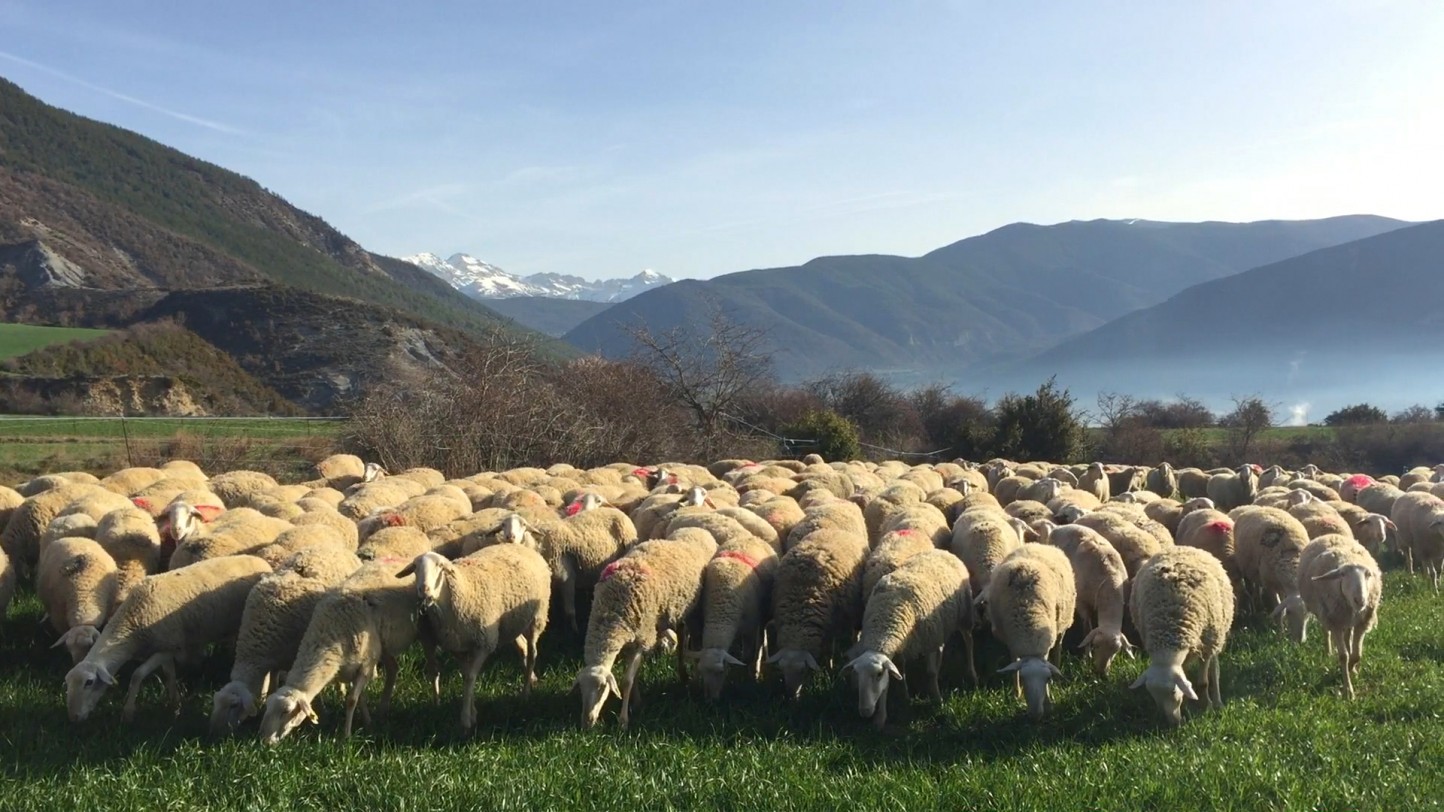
x: 1294, y: 616
x: 231, y: 704
x: 1070, y: 514
x: 1103, y: 646
x: 286, y: 710
x: 873, y: 670
x: 595, y: 684
x: 796, y: 666
x: 712, y: 666
x: 1353, y: 583
x: 1034, y: 673
x: 85, y: 684
x: 373, y: 472
x: 431, y: 571
x: 185, y: 522
x: 1168, y: 687
x: 513, y: 529
x: 78, y: 640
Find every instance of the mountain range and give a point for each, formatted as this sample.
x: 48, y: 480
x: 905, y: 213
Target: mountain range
x: 1001, y: 296
x: 482, y: 280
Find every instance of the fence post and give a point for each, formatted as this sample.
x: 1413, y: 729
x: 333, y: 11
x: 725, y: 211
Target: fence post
x: 125, y: 432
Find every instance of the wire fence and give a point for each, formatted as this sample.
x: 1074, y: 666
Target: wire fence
x: 283, y: 447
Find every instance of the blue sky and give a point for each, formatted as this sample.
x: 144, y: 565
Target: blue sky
x: 702, y: 138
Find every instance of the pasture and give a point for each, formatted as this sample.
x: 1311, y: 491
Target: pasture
x: 1284, y: 739
x: 19, y: 339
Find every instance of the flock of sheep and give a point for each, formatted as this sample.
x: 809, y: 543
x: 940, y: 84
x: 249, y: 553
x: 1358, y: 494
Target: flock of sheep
x: 801, y: 565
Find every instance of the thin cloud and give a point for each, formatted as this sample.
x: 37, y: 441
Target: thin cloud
x: 115, y: 94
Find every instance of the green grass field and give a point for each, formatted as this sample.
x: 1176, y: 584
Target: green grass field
x: 18, y: 339
x: 1284, y: 740
x: 280, y: 446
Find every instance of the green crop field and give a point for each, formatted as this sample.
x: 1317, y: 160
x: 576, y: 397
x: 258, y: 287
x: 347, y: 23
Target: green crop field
x: 1284, y: 739
x: 19, y: 339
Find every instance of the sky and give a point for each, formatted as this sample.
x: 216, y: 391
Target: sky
x: 700, y: 138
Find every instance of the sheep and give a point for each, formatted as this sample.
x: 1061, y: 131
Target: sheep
x: 1008, y: 488
x: 1095, y: 481
x: 426, y: 512
x: 1267, y: 544
x: 817, y: 599
x: 1100, y: 580
x: 1341, y: 585
x: 1169, y: 513
x: 1419, y: 515
x: 166, y: 615
x: 75, y: 580
x: 1028, y: 510
x: 911, y: 615
x: 1134, y: 515
x: 642, y: 598
x: 131, y: 538
x: 1043, y: 491
x: 1372, y: 531
x: 577, y: 548
x: 1318, y: 517
x: 273, y: 621
x: 1192, y: 483
x: 366, y: 621
x: 7, y: 583
x: 1183, y: 607
x: 1135, y: 544
x: 235, y: 532
x: 233, y: 486
x: 332, y: 520
x: 500, y: 593
x: 1126, y: 479
x: 923, y: 518
x: 47, y: 482
x: 837, y: 515
x: 394, y: 542
x: 736, y: 601
x: 982, y: 539
x: 1212, y: 532
x: 1162, y: 480
x: 1031, y: 600
x: 128, y: 481
x: 379, y: 495
x: 21, y: 536
x: 297, y: 538
x: 72, y: 525
x: 895, y: 548
x: 1233, y: 489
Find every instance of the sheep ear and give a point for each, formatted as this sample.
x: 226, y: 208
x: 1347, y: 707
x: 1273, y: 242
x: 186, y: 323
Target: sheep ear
x: 774, y: 658
x: 59, y: 643
x: 848, y: 666
x: 612, y: 685
x: 730, y: 660
x: 980, y: 601
x: 1279, y: 610
x: 1184, y: 685
x: 1138, y: 683
x: 103, y: 674
x: 1127, y: 645
x: 893, y: 670
x: 1088, y: 639
x: 1054, y: 670
x: 1332, y: 575
x: 409, y: 569
x: 1389, y: 523
x: 311, y: 715
x: 811, y: 661
x: 1010, y: 667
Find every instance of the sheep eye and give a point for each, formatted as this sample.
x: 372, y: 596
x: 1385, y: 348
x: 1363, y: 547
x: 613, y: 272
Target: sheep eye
x: 89, y: 681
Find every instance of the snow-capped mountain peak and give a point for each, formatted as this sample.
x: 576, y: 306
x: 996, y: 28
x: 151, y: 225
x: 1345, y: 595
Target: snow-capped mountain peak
x: 482, y: 280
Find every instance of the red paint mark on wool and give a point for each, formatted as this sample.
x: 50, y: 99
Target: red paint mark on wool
x: 739, y: 556
x: 1359, y: 481
x: 393, y: 519
x: 612, y: 569
x: 641, y: 472
x: 209, y: 512
x: 142, y: 503
x: 574, y: 508
x: 1220, y: 526
x: 906, y: 531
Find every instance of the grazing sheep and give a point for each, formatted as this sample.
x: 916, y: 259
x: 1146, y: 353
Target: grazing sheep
x: 1169, y: 513
x: 404, y: 543
x: 1030, y: 600
x: 817, y: 601
x: 235, y: 532
x: 736, y: 604
x: 131, y: 538
x: 895, y: 548
x: 1009, y: 487
x: 1317, y: 516
x: 276, y: 614
x: 577, y: 549
x: 21, y: 536
x: 642, y: 598
x: 165, y: 616
x: 75, y: 580
x: 1100, y: 580
x: 1267, y: 545
x: 369, y: 620
x: 1212, y: 532
x: 1419, y: 515
x: 298, y: 538
x: 911, y: 615
x: 497, y: 594
x: 1135, y: 544
x: 982, y: 539
x: 1183, y: 606
x: 923, y: 518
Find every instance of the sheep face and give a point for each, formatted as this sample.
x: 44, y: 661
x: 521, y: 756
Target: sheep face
x: 513, y: 529
x: 796, y: 667
x: 286, y: 710
x: 78, y: 641
x: 1352, y: 583
x: 595, y: 684
x: 1034, y: 673
x: 84, y: 686
x: 1294, y: 616
x: 431, y: 570
x: 712, y: 666
x: 1070, y: 514
x: 1103, y: 647
x: 230, y: 705
x: 373, y: 472
x: 1168, y: 687
x: 874, y: 670
x: 185, y: 522
x: 1050, y: 488
x: 1197, y: 503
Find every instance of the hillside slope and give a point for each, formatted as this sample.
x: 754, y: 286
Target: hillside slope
x: 1003, y: 295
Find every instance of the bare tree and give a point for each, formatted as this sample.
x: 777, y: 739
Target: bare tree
x: 708, y: 369
x: 1249, y: 418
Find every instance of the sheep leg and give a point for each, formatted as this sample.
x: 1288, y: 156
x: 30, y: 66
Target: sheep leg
x: 879, y: 713
x: 144, y: 670
x: 433, y: 671
x: 389, y: 688
x: 934, y: 665
x: 1056, y: 655
x: 172, y: 688
x: 1409, y: 559
x: 682, y: 654
x: 353, y: 697
x: 902, y: 688
x: 468, y: 690
x: 1356, y: 647
x: 759, y: 649
x: 629, y: 682
x: 568, y: 585
x: 1215, y: 690
x: 968, y: 657
x: 531, y: 639
x: 1018, y: 684
x: 1343, y: 646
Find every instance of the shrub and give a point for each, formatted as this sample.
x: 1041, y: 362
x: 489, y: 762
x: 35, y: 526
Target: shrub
x: 1040, y: 426
x: 834, y: 436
